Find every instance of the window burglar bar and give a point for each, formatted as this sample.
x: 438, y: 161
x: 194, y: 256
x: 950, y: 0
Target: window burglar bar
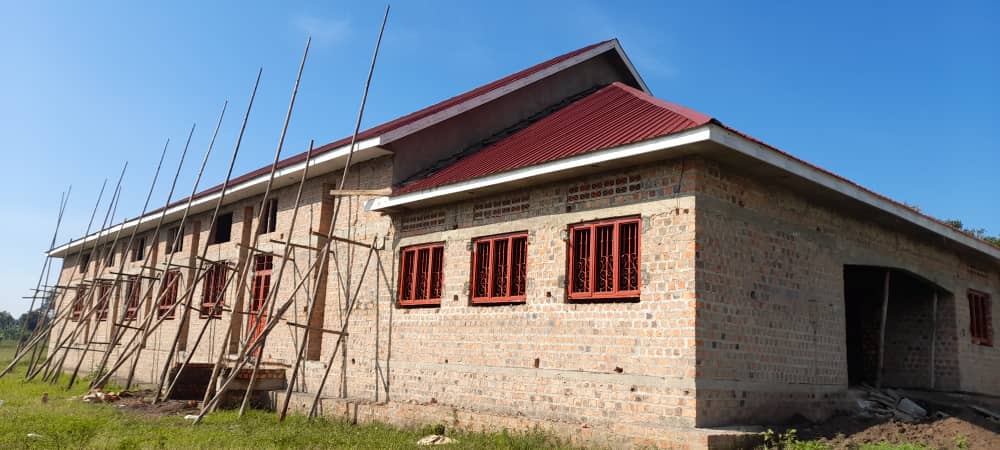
x: 420, y: 275
x: 77, y: 311
x: 168, y: 294
x: 104, y: 291
x: 980, y: 315
x: 604, y: 259
x: 213, y: 291
x: 132, y: 287
x: 499, y: 269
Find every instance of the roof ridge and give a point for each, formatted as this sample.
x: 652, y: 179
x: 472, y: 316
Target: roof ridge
x: 688, y: 113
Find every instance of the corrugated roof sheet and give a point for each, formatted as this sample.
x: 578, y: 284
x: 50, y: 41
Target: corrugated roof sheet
x: 615, y: 115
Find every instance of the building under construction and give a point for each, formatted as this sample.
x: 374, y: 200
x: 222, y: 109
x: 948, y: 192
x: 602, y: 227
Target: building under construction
x: 558, y: 248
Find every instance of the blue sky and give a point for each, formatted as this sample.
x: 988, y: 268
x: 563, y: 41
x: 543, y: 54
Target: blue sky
x: 898, y: 96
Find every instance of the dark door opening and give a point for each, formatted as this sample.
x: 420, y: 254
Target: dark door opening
x: 911, y: 331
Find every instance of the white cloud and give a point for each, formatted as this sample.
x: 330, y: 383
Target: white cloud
x: 323, y: 29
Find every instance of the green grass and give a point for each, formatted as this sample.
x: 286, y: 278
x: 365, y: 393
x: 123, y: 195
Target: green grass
x: 67, y: 423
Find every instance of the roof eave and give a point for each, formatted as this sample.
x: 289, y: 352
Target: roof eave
x: 323, y: 163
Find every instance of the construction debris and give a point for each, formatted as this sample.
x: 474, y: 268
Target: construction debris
x: 885, y: 403
x: 97, y: 396
x: 436, y: 439
x: 990, y: 415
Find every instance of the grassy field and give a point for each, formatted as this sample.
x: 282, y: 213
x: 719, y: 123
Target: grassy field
x: 63, y: 422
x: 66, y: 422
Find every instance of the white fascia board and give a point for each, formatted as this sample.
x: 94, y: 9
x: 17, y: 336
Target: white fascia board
x: 487, y: 97
x: 341, y: 152
x: 784, y: 162
x: 694, y: 135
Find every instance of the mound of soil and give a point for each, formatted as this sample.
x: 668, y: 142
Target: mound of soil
x: 965, y: 429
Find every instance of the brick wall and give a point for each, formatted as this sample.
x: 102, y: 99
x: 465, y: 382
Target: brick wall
x: 771, y: 328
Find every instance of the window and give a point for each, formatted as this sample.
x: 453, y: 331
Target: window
x: 260, y: 288
x: 270, y: 222
x: 84, y: 262
x: 139, y: 251
x: 175, y: 241
x: 213, y: 290
x: 604, y: 259
x: 168, y: 295
x: 109, y: 258
x: 223, y: 229
x: 498, y: 272
x: 104, y: 290
x: 420, y: 275
x: 132, y: 288
x: 76, y: 310
x: 981, y: 323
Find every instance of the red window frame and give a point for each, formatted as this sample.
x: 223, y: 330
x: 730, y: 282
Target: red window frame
x: 260, y: 289
x: 604, y: 259
x: 213, y: 293
x: 421, y: 269
x: 132, y: 288
x: 76, y: 309
x: 499, y: 268
x: 168, y: 295
x: 980, y: 318
x: 105, y: 289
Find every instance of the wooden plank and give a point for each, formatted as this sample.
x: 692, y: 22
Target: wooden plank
x: 299, y: 325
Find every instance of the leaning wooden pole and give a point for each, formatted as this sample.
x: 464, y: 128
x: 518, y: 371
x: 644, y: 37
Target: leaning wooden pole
x: 57, y: 369
x: 118, y: 277
x: 118, y: 324
x: 273, y: 290
x: 63, y: 198
x: 189, y: 295
x: 152, y: 326
x: 881, y: 332
x: 343, y: 181
x: 57, y: 320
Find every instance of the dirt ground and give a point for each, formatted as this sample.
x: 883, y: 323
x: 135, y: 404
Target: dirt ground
x: 141, y: 404
x: 959, y: 427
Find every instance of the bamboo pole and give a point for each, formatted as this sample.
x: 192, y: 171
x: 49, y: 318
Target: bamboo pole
x: 273, y: 291
x: 41, y: 274
x: 112, y: 340
x: 881, y: 333
x: 188, y: 298
x: 56, y: 320
x: 90, y: 293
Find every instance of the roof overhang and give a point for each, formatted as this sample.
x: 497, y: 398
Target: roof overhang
x: 474, y: 102
x: 712, y: 140
x: 285, y: 176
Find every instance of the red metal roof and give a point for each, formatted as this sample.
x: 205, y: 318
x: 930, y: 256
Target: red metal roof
x: 615, y: 115
x: 404, y: 120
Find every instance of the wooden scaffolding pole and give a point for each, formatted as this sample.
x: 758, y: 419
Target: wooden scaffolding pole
x: 188, y: 296
x: 284, y: 260
x: 881, y: 333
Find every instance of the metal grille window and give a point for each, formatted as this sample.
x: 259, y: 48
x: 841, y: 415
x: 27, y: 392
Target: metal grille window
x: 981, y: 318
x: 132, y: 288
x: 76, y: 310
x: 420, y: 275
x: 168, y: 295
x: 498, y: 271
x: 213, y: 291
x: 104, y: 291
x: 604, y: 259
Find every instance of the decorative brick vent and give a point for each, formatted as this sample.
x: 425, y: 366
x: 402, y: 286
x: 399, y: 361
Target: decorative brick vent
x: 609, y: 187
x: 503, y: 207
x: 417, y: 222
